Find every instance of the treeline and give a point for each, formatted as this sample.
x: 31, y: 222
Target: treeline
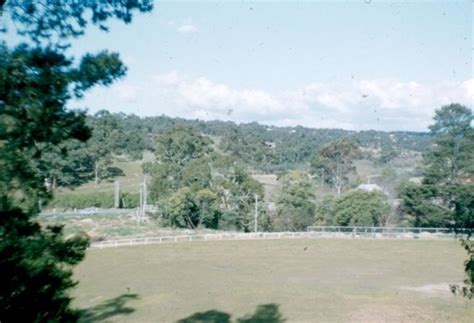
x: 272, y: 149
x: 263, y: 148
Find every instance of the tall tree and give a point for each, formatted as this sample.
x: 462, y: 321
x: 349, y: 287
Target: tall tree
x: 451, y: 159
x: 333, y: 163
x: 180, y: 145
x: 106, y: 139
x: 296, y: 203
x: 37, y: 79
x: 446, y: 194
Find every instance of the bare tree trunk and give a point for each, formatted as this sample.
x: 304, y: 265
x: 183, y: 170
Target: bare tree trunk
x: 338, y: 178
x: 96, y: 173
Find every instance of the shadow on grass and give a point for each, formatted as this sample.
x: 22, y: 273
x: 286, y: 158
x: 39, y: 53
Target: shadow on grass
x: 268, y: 313
x: 110, y: 308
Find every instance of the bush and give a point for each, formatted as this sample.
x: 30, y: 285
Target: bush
x: 355, y: 208
x: 73, y: 200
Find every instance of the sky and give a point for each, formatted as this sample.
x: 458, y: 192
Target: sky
x: 356, y: 65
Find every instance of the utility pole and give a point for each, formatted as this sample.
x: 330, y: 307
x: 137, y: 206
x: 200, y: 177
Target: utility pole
x: 117, y: 195
x: 145, y: 192
x: 256, y: 213
x: 140, y: 205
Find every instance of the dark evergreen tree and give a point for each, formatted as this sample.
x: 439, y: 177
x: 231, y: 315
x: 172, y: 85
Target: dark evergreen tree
x: 37, y: 79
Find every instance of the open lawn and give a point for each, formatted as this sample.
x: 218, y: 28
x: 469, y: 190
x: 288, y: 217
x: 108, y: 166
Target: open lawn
x: 313, y: 280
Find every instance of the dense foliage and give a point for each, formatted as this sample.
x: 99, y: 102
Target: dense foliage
x: 296, y: 203
x: 266, y: 149
x: 446, y: 195
x: 355, y: 208
x: 333, y: 163
x: 37, y: 79
x: 196, y: 187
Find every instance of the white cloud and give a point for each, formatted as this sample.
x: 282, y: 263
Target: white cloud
x: 187, y: 29
x: 365, y: 104
x: 383, y: 104
x: 127, y: 92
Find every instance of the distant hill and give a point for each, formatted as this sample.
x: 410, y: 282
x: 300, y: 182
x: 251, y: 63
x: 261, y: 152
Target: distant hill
x: 271, y: 149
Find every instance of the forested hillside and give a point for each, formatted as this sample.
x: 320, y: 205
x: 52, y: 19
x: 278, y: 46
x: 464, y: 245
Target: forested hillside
x: 261, y: 148
x: 194, y: 161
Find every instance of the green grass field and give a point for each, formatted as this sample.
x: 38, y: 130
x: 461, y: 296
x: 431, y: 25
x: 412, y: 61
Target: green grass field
x: 318, y: 280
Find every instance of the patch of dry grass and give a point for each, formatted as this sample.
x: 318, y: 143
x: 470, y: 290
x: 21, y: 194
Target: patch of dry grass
x: 325, y: 280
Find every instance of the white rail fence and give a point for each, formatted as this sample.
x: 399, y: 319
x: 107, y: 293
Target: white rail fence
x: 312, y: 232
x: 383, y: 230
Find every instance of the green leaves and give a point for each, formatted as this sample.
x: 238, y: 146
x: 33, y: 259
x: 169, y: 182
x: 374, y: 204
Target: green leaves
x: 446, y: 195
x: 192, y: 209
x: 180, y: 145
x: 355, y: 208
x: 296, y: 203
x: 198, y: 187
x: 99, y: 69
x: 56, y: 22
x: 36, y: 133
x: 452, y: 120
x: 451, y: 159
x: 332, y: 163
x: 36, y: 270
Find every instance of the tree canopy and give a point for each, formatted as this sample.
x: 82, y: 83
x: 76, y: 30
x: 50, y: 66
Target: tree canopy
x: 446, y: 195
x: 296, y: 203
x: 333, y: 163
x: 37, y: 79
x: 354, y: 208
x: 198, y: 187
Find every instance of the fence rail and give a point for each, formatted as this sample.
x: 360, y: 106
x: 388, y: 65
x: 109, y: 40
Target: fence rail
x: 386, y: 229
x: 312, y: 232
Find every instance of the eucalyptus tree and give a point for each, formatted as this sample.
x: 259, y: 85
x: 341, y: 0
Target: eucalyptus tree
x: 333, y: 163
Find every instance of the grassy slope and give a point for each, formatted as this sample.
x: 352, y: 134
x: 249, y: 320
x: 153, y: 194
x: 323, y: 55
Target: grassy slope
x: 330, y: 281
x: 128, y: 183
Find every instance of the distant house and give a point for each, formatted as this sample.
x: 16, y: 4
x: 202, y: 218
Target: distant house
x: 270, y: 144
x: 416, y: 180
x: 369, y: 188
